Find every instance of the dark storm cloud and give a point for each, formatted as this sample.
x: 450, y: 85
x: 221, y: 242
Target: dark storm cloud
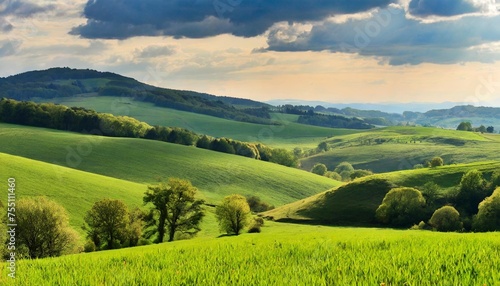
x: 21, y: 8
x: 393, y: 38
x: 122, y: 19
x: 442, y: 7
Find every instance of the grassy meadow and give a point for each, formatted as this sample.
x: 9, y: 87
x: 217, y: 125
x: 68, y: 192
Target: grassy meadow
x: 284, y: 254
x: 401, y: 148
x: 288, y: 134
x: 147, y: 162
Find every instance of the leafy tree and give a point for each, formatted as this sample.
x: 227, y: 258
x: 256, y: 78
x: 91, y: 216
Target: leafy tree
x: 344, y: 166
x: 175, y: 208
x: 233, y: 214
x: 445, y: 219
x: 284, y: 157
x: 488, y: 216
x: 436, y: 162
x: 490, y: 129
x: 298, y: 152
x: 204, y: 142
x: 319, y: 169
x: 257, y: 205
x: 494, y: 181
x: 360, y: 173
x: 471, y: 191
x: 401, y: 207
x: 430, y: 191
x: 107, y: 221
x: 323, y: 147
x: 464, y: 126
x: 333, y: 175
x: 135, y: 227
x: 43, y: 228
x: 481, y: 129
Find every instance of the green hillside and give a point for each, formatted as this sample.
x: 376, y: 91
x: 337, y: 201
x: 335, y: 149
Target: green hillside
x: 288, y: 134
x: 145, y: 161
x: 355, y: 203
x: 398, y: 148
x: 75, y: 190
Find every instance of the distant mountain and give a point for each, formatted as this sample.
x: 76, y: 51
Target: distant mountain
x: 66, y: 82
x: 384, y: 107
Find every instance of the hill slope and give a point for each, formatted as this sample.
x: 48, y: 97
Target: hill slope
x: 75, y: 190
x: 355, y: 203
x: 144, y: 161
x: 64, y: 82
x: 399, y: 148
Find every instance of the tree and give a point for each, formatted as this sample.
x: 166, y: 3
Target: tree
x: 436, y: 162
x: 323, y: 147
x: 360, y: 173
x: 333, y: 175
x: 107, y: 221
x: 471, y: 192
x: 464, y: 126
x: 488, y: 216
x: 175, y: 208
x: 284, y: 157
x: 43, y: 228
x: 481, y: 129
x: 135, y: 227
x: 430, y: 191
x: 233, y: 214
x: 257, y: 205
x: 344, y: 167
x: 445, y: 219
x: 319, y: 169
x: 401, y: 207
x: 490, y: 129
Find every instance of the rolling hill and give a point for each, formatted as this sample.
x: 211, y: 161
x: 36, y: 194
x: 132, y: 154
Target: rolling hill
x: 355, y: 203
x: 66, y: 82
x: 400, y: 148
x: 145, y: 162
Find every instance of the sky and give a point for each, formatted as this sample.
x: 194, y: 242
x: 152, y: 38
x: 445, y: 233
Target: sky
x: 342, y: 51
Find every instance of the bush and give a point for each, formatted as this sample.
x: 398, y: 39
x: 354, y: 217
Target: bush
x: 488, y: 216
x: 89, y: 246
x: 333, y: 175
x: 232, y: 214
x: 344, y: 167
x: 257, y: 205
x: 319, y: 169
x: 44, y: 228
x: 258, y: 222
x: 360, y: 173
x: 401, y: 207
x: 436, y: 162
x: 445, y: 219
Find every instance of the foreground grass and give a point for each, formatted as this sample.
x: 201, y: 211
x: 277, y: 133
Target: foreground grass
x: 288, y: 135
x: 284, y: 254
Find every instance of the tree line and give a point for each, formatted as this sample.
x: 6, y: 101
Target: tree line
x: 173, y: 212
x: 77, y: 119
x: 474, y: 205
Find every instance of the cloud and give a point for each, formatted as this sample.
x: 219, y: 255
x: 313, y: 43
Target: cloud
x: 155, y: 51
x: 395, y: 39
x: 21, y: 8
x: 442, y: 7
x: 121, y: 19
x: 5, y: 26
x: 9, y: 48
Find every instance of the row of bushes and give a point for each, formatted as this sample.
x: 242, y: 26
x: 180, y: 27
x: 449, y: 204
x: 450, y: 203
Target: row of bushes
x: 473, y: 206
x: 83, y: 120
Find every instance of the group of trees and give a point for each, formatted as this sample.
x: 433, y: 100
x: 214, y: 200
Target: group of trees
x: 174, y: 212
x: 473, y: 206
x: 82, y: 120
x: 467, y: 126
x: 343, y: 172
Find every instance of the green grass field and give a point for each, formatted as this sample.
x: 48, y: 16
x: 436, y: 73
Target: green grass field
x: 145, y: 161
x: 287, y: 135
x: 284, y: 254
x: 355, y: 203
x: 401, y: 148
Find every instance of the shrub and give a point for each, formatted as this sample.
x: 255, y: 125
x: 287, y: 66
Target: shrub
x: 333, y: 175
x: 257, y: 205
x: 401, y: 207
x: 319, y: 169
x: 446, y: 218
x: 436, y: 162
x: 488, y: 216
x: 89, y: 246
x: 343, y: 167
x: 258, y: 222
